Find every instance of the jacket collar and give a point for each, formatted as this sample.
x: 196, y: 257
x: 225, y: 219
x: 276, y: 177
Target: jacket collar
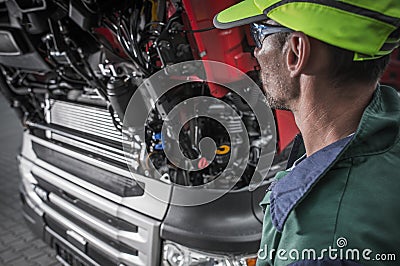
x: 379, y: 128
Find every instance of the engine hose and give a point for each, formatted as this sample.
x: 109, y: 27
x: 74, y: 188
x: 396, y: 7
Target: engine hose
x: 46, y: 86
x: 25, y: 90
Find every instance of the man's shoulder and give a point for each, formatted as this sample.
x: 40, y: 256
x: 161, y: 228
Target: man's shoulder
x: 379, y: 128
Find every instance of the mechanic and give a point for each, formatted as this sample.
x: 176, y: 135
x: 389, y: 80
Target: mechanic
x: 338, y: 201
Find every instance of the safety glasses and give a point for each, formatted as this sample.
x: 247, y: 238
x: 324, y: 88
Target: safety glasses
x: 261, y: 31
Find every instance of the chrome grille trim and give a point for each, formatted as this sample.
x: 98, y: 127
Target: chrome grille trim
x: 148, y: 204
x: 138, y: 240
x: 146, y: 240
x: 125, y: 258
x: 97, y: 148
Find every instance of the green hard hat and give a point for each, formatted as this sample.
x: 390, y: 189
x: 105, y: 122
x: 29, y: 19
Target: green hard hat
x: 369, y: 28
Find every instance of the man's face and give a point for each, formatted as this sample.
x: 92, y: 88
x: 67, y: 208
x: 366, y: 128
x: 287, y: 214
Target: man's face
x: 278, y: 86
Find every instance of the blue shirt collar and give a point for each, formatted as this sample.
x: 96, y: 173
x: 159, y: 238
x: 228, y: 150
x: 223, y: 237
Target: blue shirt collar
x: 289, y: 190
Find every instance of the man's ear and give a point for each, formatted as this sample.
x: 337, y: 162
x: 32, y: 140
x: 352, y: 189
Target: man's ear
x: 298, y: 53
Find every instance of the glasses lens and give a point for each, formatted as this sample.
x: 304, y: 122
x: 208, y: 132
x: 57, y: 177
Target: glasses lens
x: 260, y: 31
x: 255, y: 33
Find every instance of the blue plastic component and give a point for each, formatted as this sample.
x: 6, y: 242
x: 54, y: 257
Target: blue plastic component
x: 158, y: 137
x: 159, y: 147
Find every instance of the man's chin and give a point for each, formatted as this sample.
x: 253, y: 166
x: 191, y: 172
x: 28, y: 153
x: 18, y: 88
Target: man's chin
x: 283, y: 108
x: 276, y: 104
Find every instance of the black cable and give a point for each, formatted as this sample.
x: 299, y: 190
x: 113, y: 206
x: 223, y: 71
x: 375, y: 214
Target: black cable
x: 199, y: 30
x: 70, y: 80
x: 61, y: 5
x: 116, y: 123
x: 151, y: 56
x: 117, y: 31
x: 128, y: 52
x: 88, y: 7
x: 133, y: 24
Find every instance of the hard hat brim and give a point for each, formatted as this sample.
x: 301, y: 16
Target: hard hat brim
x: 240, y: 14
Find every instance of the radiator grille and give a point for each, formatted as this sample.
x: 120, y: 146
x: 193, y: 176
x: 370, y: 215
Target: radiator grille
x: 89, y: 119
x: 86, y: 127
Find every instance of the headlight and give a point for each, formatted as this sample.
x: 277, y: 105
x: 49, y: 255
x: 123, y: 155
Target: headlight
x: 178, y: 255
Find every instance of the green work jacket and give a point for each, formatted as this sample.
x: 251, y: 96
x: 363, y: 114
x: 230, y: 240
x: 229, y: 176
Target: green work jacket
x: 341, y: 205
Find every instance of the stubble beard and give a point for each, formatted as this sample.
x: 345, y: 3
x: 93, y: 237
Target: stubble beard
x: 273, y: 102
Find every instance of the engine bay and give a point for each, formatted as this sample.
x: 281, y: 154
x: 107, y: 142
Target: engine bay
x: 69, y: 68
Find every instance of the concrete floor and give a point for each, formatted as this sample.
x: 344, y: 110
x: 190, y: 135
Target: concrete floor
x: 18, y: 246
